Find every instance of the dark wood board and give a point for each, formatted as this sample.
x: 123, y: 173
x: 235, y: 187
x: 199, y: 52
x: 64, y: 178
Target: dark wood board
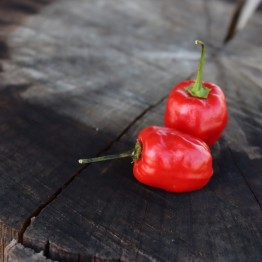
x: 82, y: 80
x: 49, y: 91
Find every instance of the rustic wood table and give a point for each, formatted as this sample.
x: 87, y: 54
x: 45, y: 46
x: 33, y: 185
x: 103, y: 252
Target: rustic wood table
x: 80, y: 79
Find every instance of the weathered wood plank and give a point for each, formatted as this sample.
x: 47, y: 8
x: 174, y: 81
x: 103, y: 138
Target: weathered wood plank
x: 83, y: 76
x: 178, y: 225
x: 12, y: 13
x: 44, y: 81
x: 204, y: 225
x: 31, y: 165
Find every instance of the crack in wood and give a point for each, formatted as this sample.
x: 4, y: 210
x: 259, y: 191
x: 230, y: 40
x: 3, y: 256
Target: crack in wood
x: 128, y: 127
x: 27, y: 222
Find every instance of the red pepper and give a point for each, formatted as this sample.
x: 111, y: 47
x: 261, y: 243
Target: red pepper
x: 167, y: 159
x: 197, y: 108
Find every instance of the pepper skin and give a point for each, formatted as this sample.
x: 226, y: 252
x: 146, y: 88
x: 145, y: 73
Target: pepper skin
x: 171, y: 160
x: 204, y: 118
x: 197, y: 108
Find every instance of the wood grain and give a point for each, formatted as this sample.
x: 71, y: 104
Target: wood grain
x: 81, y: 80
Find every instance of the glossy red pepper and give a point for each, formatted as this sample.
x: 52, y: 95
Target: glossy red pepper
x: 167, y: 159
x: 172, y: 161
x: 197, y: 108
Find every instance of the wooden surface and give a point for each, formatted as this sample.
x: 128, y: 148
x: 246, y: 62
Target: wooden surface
x: 81, y: 78
x: 15, y: 252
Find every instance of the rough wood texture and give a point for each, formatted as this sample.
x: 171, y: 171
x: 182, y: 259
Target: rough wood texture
x: 15, y: 252
x: 81, y: 78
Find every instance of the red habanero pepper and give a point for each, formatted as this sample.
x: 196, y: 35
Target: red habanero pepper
x: 197, y: 108
x: 168, y: 159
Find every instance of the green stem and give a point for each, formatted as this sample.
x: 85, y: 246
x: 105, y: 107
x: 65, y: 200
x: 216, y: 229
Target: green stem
x: 105, y: 158
x: 134, y: 154
x: 198, y: 89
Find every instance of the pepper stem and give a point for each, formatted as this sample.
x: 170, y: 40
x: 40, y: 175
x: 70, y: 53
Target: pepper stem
x: 134, y: 154
x: 198, y: 89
